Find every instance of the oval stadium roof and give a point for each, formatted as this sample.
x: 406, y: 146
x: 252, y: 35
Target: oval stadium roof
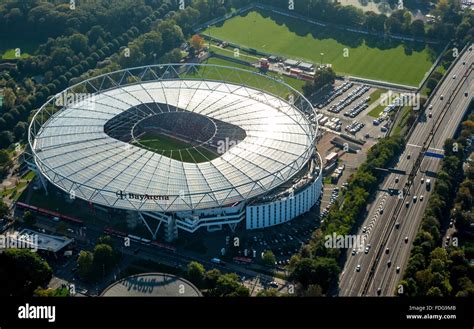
x: 73, y: 151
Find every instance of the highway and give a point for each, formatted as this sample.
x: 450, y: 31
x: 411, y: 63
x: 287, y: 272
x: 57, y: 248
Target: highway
x: 397, y: 224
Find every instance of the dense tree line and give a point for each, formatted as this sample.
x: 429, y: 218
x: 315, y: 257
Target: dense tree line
x: 433, y: 270
x: 96, y: 264
x: 215, y: 284
x: 317, y: 266
x: 22, y: 272
x: 50, y: 19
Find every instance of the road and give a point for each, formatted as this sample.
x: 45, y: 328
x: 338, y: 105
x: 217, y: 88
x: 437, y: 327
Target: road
x: 253, y: 280
x: 382, y: 231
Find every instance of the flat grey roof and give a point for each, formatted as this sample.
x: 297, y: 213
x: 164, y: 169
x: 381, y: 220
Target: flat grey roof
x: 41, y: 241
x: 291, y: 62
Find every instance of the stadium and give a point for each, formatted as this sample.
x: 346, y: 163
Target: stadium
x: 188, y: 146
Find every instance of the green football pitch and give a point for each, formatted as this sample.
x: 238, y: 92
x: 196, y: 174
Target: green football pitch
x: 349, y: 53
x: 176, y: 149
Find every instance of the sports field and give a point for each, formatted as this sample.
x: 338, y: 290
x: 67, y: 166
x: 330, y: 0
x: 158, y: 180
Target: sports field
x: 251, y: 80
x: 176, y: 149
x: 350, y: 53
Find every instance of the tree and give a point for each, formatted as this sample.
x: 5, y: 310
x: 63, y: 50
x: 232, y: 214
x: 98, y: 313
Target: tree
x: 211, y: 278
x: 434, y: 292
x: 196, y: 273
x: 322, y: 77
x: 29, y: 219
x: 5, y: 160
x: 78, y: 43
x: 22, y: 271
x: 84, y: 263
x: 431, y: 83
x: 59, y: 292
x: 268, y: 258
x: 106, y: 239
x: 4, y: 210
x: 319, y: 271
x: 197, y: 42
x: 9, y: 99
x: 228, y: 285
x: 171, y: 33
x: 104, y: 259
x: 417, y: 28
x: 173, y: 56
x: 20, y: 129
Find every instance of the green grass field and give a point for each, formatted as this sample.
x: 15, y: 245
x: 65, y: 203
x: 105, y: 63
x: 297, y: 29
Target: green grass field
x: 367, y: 56
x: 8, y: 46
x: 176, y: 149
x: 249, y: 79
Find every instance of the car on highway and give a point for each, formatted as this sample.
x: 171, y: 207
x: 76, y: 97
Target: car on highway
x: 465, y: 93
x: 407, y: 204
x: 387, y: 250
x: 422, y: 180
x: 398, y: 269
x: 364, y: 229
x: 406, y: 239
x: 397, y: 225
x: 441, y: 97
x: 354, y: 252
x: 273, y: 284
x: 428, y: 184
x: 397, y: 179
x: 430, y: 115
x: 414, y: 199
x: 421, y: 197
x: 367, y: 250
x: 381, y: 210
x: 408, y: 156
x: 379, y: 291
x: 358, y: 268
x: 389, y: 263
x: 454, y: 76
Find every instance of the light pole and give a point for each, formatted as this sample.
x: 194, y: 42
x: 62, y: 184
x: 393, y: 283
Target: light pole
x: 321, y: 65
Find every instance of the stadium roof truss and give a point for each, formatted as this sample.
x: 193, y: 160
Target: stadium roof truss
x: 71, y: 150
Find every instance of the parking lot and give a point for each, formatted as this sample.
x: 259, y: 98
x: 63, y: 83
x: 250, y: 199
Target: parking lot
x: 346, y: 109
x: 286, y: 239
